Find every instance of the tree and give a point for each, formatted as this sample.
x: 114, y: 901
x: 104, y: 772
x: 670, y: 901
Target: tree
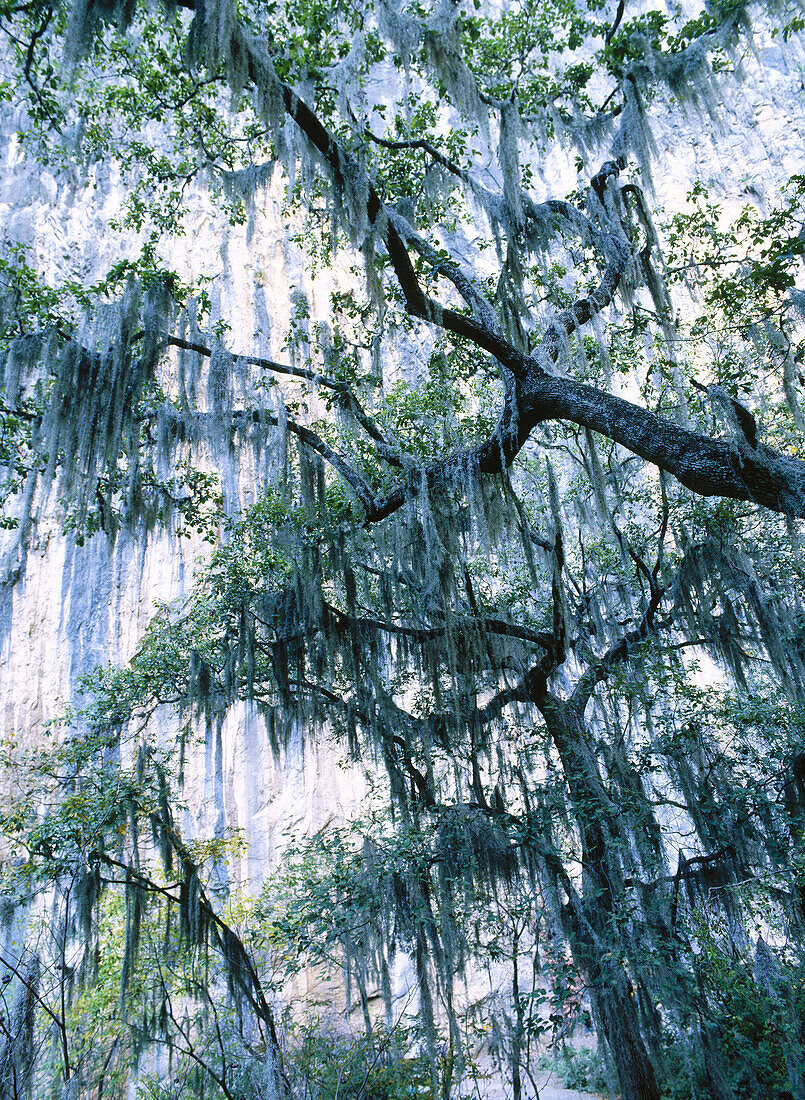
x: 468, y: 576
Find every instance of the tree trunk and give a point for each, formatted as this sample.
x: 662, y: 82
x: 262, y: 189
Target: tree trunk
x: 517, y: 1038
x: 592, y: 918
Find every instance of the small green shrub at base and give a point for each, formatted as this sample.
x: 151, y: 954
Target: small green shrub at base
x: 580, y: 1068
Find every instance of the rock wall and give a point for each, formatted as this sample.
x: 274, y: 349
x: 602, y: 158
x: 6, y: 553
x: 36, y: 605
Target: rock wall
x: 67, y: 608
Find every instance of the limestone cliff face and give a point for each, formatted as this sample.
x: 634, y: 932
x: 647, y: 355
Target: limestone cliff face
x: 65, y: 608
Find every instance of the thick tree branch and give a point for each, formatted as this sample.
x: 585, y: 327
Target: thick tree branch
x: 707, y: 466
x: 481, y: 307
x: 427, y: 634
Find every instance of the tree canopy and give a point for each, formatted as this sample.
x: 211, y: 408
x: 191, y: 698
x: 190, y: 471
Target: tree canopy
x: 510, y: 508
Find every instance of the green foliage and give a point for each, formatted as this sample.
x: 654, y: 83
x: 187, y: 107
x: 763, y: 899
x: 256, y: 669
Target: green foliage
x: 758, y: 1024
x: 577, y: 1068
x: 380, y: 1066
x: 524, y: 50
x: 746, y: 266
x: 30, y: 307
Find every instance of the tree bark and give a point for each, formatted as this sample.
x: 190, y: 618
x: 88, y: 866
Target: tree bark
x: 591, y: 918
